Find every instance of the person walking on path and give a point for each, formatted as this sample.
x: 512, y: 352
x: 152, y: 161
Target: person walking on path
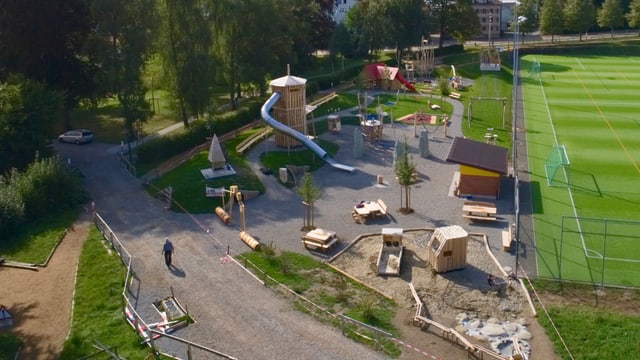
x: 167, y: 250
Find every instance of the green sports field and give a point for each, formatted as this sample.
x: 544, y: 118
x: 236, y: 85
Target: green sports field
x: 590, y: 104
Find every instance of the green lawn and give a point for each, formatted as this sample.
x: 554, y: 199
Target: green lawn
x: 97, y: 312
x: 588, y: 103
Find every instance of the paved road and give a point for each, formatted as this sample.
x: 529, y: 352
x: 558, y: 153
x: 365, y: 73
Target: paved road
x: 233, y: 312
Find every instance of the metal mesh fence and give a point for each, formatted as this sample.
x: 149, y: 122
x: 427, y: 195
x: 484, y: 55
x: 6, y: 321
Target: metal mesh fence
x: 600, y: 251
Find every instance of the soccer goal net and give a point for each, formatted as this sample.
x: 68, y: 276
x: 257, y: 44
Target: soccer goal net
x: 557, y: 160
x: 534, y: 70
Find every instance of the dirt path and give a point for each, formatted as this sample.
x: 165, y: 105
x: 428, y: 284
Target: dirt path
x: 40, y: 301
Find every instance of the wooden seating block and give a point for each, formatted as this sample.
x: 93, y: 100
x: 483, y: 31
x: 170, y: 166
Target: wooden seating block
x: 506, y: 240
x: 455, y: 95
x: 383, y: 207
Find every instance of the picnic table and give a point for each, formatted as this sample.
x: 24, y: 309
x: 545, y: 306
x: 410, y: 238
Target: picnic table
x: 478, y: 210
x: 319, y: 239
x: 368, y: 209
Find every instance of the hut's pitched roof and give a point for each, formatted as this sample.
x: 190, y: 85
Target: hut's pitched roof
x: 479, y: 155
x: 288, y: 80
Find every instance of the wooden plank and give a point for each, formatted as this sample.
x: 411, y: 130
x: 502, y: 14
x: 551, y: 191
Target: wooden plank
x: 474, y: 217
x: 506, y: 241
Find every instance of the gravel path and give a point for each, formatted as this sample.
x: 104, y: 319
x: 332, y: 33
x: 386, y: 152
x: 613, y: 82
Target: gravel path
x: 233, y: 312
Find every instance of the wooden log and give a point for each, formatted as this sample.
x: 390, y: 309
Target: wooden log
x: 249, y: 240
x: 226, y: 218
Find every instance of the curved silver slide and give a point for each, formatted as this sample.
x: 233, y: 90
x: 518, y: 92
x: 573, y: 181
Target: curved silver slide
x: 298, y: 135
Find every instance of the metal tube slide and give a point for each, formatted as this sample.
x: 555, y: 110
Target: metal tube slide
x: 297, y: 135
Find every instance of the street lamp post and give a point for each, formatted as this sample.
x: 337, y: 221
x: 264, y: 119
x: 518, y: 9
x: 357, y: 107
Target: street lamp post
x: 516, y: 185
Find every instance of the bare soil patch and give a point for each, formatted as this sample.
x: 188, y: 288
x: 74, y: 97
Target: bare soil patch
x: 444, y: 295
x: 40, y: 301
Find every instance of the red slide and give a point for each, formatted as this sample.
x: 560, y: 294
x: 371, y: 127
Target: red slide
x: 404, y: 82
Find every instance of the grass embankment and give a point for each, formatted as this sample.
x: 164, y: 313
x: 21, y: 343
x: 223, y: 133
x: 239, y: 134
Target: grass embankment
x: 334, y: 293
x: 34, y: 243
x: 98, y: 315
x: 594, y: 323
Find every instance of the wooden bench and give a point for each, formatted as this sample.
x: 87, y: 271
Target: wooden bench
x: 383, y: 207
x: 357, y: 218
x: 319, y: 239
x: 478, y: 217
x: 455, y: 95
x: 506, y: 240
x: 316, y: 245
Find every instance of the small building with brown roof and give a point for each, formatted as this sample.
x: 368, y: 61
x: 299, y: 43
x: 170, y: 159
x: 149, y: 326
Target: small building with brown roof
x: 481, y: 166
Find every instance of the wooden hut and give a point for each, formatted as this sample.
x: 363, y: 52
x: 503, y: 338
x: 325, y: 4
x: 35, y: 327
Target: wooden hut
x: 448, y: 249
x: 481, y: 167
x: 290, y: 108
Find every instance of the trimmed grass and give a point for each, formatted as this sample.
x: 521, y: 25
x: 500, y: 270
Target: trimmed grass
x: 107, y: 123
x: 189, y: 184
x: 36, y: 241
x: 610, y: 335
x: 98, y: 312
x: 586, y: 103
x: 322, y: 285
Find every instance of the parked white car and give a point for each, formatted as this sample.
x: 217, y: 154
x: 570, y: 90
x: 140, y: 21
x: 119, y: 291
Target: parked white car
x: 77, y: 136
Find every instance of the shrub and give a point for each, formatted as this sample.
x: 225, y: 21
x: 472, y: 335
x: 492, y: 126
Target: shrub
x: 160, y: 149
x: 11, y: 209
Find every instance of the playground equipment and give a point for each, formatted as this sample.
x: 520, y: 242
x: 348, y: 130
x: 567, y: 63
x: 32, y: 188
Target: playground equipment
x: 290, y: 110
x: 391, y: 249
x: 447, y: 249
x: 224, y: 214
x: 490, y: 59
x: 426, y: 59
x: 455, y: 80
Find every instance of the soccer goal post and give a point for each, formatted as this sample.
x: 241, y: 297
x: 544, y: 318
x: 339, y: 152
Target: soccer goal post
x: 557, y: 160
x: 534, y: 70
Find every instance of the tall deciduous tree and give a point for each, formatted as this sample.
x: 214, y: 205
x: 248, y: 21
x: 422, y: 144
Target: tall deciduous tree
x: 309, y: 194
x: 28, y: 111
x: 124, y: 38
x: 551, y: 18
x: 365, y: 20
x: 186, y: 50
x: 530, y: 10
x: 414, y: 24
x: 610, y: 15
x: 45, y: 41
x: 455, y: 18
x: 633, y: 16
x: 405, y: 169
x: 579, y: 15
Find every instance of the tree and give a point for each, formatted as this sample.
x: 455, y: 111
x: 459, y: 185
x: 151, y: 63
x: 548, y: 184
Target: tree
x: 365, y: 21
x: 529, y: 10
x: 124, y: 44
x: 46, y: 41
x: 28, y: 111
x: 455, y: 18
x: 186, y: 50
x: 414, y: 24
x: 633, y: 16
x: 405, y: 170
x: 551, y: 19
x: 579, y: 15
x: 309, y: 194
x: 610, y: 15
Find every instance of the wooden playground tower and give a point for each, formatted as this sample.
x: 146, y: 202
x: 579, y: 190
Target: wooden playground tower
x: 423, y: 66
x: 290, y: 108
